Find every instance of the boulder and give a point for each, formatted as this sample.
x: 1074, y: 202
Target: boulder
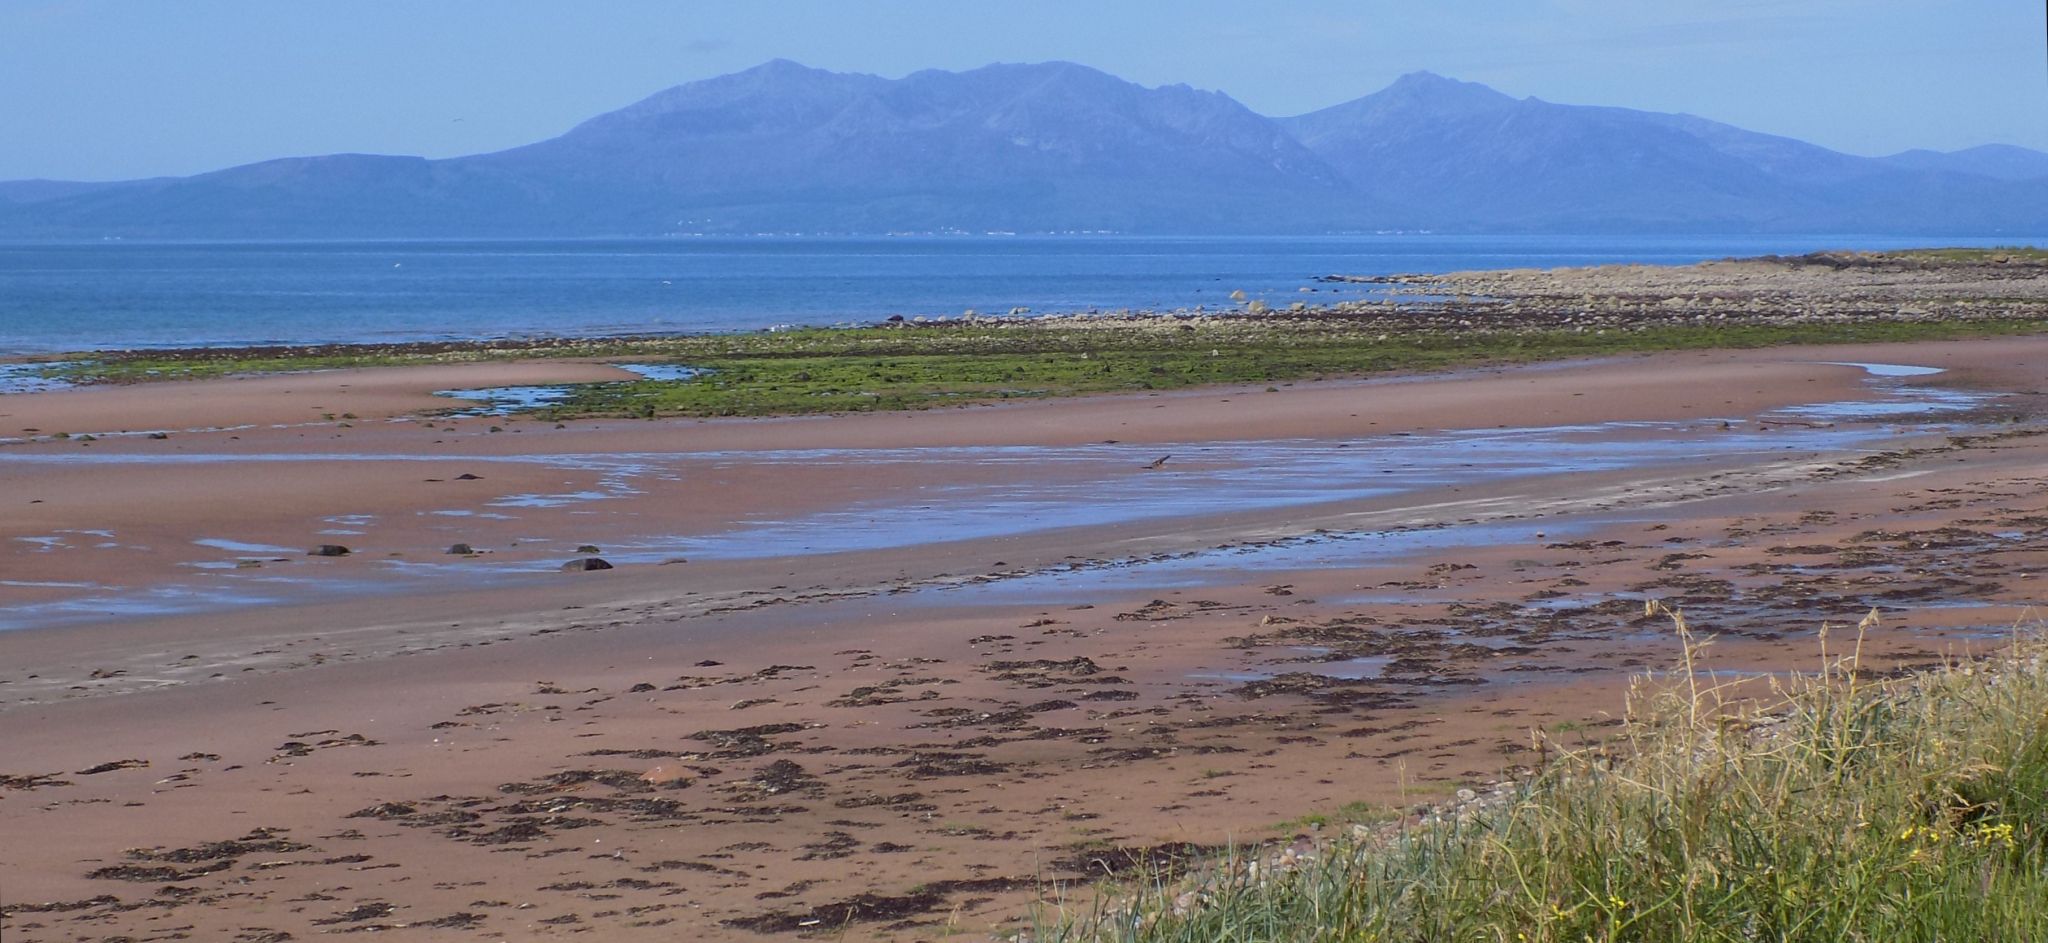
x: 585, y: 565
x: 328, y: 550
x: 462, y: 549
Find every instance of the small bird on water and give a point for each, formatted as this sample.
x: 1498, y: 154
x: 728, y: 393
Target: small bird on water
x: 1159, y: 462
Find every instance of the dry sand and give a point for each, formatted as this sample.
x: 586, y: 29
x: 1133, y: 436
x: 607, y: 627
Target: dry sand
x: 890, y: 743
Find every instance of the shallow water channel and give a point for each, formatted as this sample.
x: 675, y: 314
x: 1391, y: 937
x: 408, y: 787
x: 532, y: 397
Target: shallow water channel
x: 1092, y: 485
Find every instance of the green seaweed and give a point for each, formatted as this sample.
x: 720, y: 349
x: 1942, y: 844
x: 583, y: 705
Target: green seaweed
x: 919, y: 366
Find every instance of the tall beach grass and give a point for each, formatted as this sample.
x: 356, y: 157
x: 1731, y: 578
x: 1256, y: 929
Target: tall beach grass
x: 1824, y: 807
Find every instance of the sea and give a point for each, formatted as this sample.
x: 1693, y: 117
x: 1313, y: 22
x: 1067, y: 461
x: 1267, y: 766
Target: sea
x: 68, y: 297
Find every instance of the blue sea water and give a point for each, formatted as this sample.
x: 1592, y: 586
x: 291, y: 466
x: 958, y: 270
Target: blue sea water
x: 71, y: 297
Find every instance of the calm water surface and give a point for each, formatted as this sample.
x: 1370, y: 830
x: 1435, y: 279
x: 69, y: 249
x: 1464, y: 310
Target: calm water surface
x: 67, y: 297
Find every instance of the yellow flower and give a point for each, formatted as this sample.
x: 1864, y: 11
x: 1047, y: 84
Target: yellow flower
x: 2002, y: 834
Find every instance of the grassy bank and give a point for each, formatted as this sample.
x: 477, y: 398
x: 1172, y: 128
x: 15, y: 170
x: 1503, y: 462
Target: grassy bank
x: 1837, y: 808
x: 926, y: 365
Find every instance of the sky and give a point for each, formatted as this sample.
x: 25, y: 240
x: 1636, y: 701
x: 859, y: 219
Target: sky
x: 117, y: 89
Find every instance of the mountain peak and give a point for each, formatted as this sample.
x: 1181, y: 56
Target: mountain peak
x: 1415, y: 97
x: 789, y: 87
x: 777, y: 72
x: 1013, y: 73
x: 1047, y: 67
x: 1423, y: 78
x: 1425, y: 86
x: 780, y: 68
x: 1054, y: 146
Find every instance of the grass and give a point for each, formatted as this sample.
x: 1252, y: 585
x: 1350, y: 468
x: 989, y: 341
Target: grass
x: 948, y: 362
x: 894, y: 368
x: 89, y: 368
x: 944, y: 368
x: 1836, y: 807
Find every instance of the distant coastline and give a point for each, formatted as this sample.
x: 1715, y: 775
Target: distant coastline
x: 1405, y: 322
x: 137, y: 295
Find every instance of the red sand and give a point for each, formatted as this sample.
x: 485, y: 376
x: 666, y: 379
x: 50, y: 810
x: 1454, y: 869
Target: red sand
x: 803, y: 746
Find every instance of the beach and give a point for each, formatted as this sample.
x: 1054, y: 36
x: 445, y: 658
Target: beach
x: 899, y: 675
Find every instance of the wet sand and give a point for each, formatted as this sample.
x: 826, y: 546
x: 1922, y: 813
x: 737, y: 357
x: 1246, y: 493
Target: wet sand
x: 912, y: 735
x: 125, y: 510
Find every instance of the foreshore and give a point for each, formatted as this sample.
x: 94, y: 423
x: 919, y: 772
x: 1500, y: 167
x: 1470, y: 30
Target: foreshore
x: 1409, y: 324
x: 897, y: 674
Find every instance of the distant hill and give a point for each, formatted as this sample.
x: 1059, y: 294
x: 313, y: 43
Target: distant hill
x: 1472, y: 158
x: 1997, y: 161
x: 1062, y: 147
x: 1021, y: 147
x: 37, y: 191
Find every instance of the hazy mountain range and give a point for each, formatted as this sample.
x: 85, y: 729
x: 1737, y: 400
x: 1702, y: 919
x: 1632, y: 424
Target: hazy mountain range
x: 1062, y: 147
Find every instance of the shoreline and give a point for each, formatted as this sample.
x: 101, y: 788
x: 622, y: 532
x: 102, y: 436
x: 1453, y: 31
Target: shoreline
x: 1460, y: 294
x: 913, y: 738
x: 1275, y: 279
x: 648, y: 494
x: 925, y: 683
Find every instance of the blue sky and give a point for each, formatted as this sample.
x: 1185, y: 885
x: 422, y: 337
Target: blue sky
x: 107, y: 89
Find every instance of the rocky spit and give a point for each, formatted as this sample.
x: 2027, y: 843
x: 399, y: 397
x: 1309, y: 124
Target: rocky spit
x: 1821, y: 289
x: 1831, y: 288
